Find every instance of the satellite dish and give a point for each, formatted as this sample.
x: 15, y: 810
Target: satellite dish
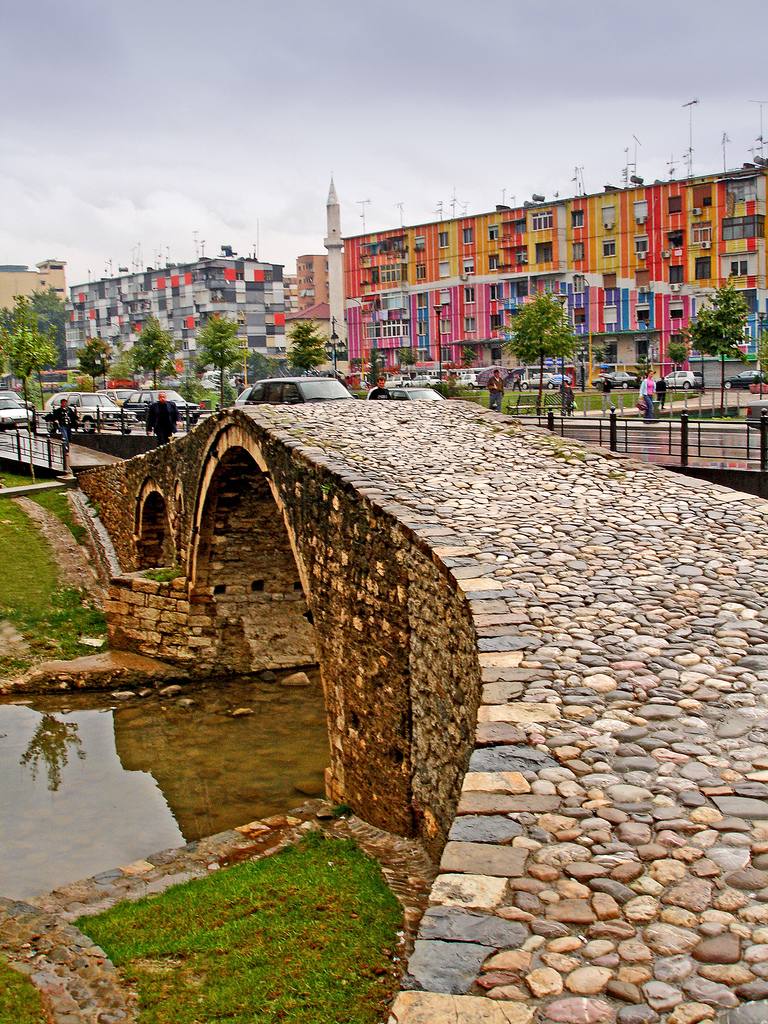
x: 636, y: 180
x: 537, y: 198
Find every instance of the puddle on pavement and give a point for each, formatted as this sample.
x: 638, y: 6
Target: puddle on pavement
x: 88, y: 784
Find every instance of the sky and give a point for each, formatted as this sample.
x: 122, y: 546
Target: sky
x: 134, y: 134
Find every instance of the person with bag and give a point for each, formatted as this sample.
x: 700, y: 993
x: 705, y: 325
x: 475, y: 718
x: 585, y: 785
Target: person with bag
x: 646, y: 395
x: 64, y: 421
x: 496, y: 391
x: 605, y: 388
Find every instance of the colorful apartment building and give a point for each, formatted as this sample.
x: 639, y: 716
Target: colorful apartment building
x: 312, y: 280
x: 183, y: 297
x: 631, y: 265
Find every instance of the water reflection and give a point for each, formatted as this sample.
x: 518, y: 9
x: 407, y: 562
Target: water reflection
x: 121, y: 782
x: 49, y: 744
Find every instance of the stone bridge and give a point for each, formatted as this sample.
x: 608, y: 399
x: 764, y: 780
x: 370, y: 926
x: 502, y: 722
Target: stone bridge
x: 552, y: 657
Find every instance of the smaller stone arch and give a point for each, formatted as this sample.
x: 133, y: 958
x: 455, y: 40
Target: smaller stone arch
x: 177, y: 523
x: 152, y: 536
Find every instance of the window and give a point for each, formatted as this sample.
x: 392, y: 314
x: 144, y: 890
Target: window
x: 676, y: 274
x: 496, y: 321
x: 445, y: 325
x: 577, y: 218
x: 701, y: 195
x: 494, y: 292
x: 609, y: 216
x: 675, y: 204
x: 641, y: 244
x: 421, y: 272
x: 675, y: 239
x: 739, y: 268
x: 521, y: 289
x: 579, y: 315
x: 703, y: 268
x: 701, y: 232
x: 374, y: 275
x: 445, y: 268
x: 743, y: 227
x: 675, y: 312
x: 643, y: 315
x: 493, y: 232
x: 493, y: 262
x: 421, y: 300
x: 641, y: 211
x: 445, y: 297
x: 442, y: 239
x: 468, y: 266
x: 541, y: 221
x: 643, y: 279
x: 544, y: 252
x: 468, y: 235
x: 609, y: 247
x: 579, y: 283
x: 609, y: 281
x: 518, y: 226
x: 469, y: 294
x: 469, y: 324
x: 421, y: 328
x: 743, y: 191
x: 390, y: 274
x: 577, y: 251
x: 610, y: 314
x: 419, y: 243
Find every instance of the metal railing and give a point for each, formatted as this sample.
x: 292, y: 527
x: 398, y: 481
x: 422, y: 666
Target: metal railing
x: 46, y: 452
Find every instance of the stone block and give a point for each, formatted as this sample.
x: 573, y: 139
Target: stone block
x: 483, y: 859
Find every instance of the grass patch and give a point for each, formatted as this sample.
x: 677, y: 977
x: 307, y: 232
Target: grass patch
x: 306, y: 937
x: 51, y: 618
x: 164, y: 575
x: 19, y: 1001
x: 53, y: 501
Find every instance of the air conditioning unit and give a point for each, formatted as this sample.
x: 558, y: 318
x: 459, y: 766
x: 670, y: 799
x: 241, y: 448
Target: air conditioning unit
x: 641, y: 220
x: 696, y: 211
x: 674, y: 287
x: 608, y: 226
x: 463, y: 277
x: 706, y: 245
x: 641, y: 255
x: 665, y: 254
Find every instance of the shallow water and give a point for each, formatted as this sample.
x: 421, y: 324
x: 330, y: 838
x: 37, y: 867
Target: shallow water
x: 88, y: 784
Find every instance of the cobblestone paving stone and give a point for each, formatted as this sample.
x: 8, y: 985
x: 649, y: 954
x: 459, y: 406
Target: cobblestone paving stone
x: 609, y: 859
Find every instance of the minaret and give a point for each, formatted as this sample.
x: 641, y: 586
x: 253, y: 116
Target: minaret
x: 335, y: 246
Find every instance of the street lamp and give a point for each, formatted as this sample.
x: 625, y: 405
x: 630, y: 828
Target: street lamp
x: 333, y: 340
x: 583, y: 354
x: 438, y: 313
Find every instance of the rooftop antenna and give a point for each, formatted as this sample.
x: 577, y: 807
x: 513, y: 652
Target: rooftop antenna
x: 258, y: 239
x: 109, y: 264
x: 455, y: 202
x: 197, y: 249
x: 671, y: 166
x: 503, y: 197
x: 690, y: 106
x: 400, y: 208
x: 440, y: 208
x: 362, y: 202
x: 202, y: 249
x: 723, y: 141
x: 578, y: 178
x: 637, y: 143
x: 761, y: 104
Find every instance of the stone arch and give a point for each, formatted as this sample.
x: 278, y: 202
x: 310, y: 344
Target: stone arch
x: 177, y: 522
x: 152, y: 531
x: 242, y: 560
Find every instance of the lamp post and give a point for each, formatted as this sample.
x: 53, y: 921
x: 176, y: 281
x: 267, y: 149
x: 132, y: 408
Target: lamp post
x: 582, y: 359
x: 438, y: 312
x: 333, y: 340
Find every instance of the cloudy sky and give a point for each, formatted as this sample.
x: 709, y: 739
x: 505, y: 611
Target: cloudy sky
x: 136, y: 132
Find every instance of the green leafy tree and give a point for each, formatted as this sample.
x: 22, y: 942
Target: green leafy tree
x: 122, y: 367
x: 219, y: 347
x: 307, y: 345
x: 94, y: 358
x: 678, y: 352
x: 719, y: 329
x: 406, y: 356
x: 261, y: 367
x: 153, y: 349
x: 52, y: 318
x: 27, y: 350
x: 468, y: 355
x: 376, y: 363
x: 541, y: 330
x: 642, y: 366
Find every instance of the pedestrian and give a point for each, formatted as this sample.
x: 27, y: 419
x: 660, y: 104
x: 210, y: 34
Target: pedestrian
x: 65, y: 421
x: 495, y: 391
x: 517, y: 381
x: 381, y: 391
x: 162, y: 417
x: 605, y: 388
x: 646, y: 393
x: 661, y: 391
x: 569, y: 400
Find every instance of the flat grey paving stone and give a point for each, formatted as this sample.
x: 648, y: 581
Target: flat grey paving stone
x: 484, y: 828
x: 483, y: 859
x: 742, y: 806
x: 449, y: 967
x: 451, y: 924
x: 511, y: 758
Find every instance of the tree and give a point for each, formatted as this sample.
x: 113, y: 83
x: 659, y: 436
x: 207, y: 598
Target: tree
x: 27, y: 350
x: 541, y: 330
x: 153, y: 349
x: 218, y: 346
x: 719, y: 329
x: 376, y: 363
x: 678, y: 353
x: 52, y: 316
x: 121, y: 363
x: 406, y: 356
x: 468, y: 355
x: 307, y: 345
x: 94, y: 358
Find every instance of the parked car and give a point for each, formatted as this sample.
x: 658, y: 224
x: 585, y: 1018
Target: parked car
x: 415, y: 394
x: 684, y: 380
x: 550, y: 381
x: 93, y: 410
x: 118, y: 395
x: 754, y: 412
x: 293, y: 391
x: 619, y: 380
x: 744, y: 379
x: 14, y: 414
x: 139, y: 401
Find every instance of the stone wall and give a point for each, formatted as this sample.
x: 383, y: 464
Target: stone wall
x: 285, y: 563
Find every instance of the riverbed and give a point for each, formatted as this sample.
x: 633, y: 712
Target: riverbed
x: 90, y: 782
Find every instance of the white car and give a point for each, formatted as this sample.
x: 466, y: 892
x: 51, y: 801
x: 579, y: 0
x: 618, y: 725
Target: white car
x: 94, y: 411
x: 14, y: 414
x: 416, y: 394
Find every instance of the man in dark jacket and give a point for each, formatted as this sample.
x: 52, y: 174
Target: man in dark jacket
x: 64, y: 420
x: 162, y: 417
